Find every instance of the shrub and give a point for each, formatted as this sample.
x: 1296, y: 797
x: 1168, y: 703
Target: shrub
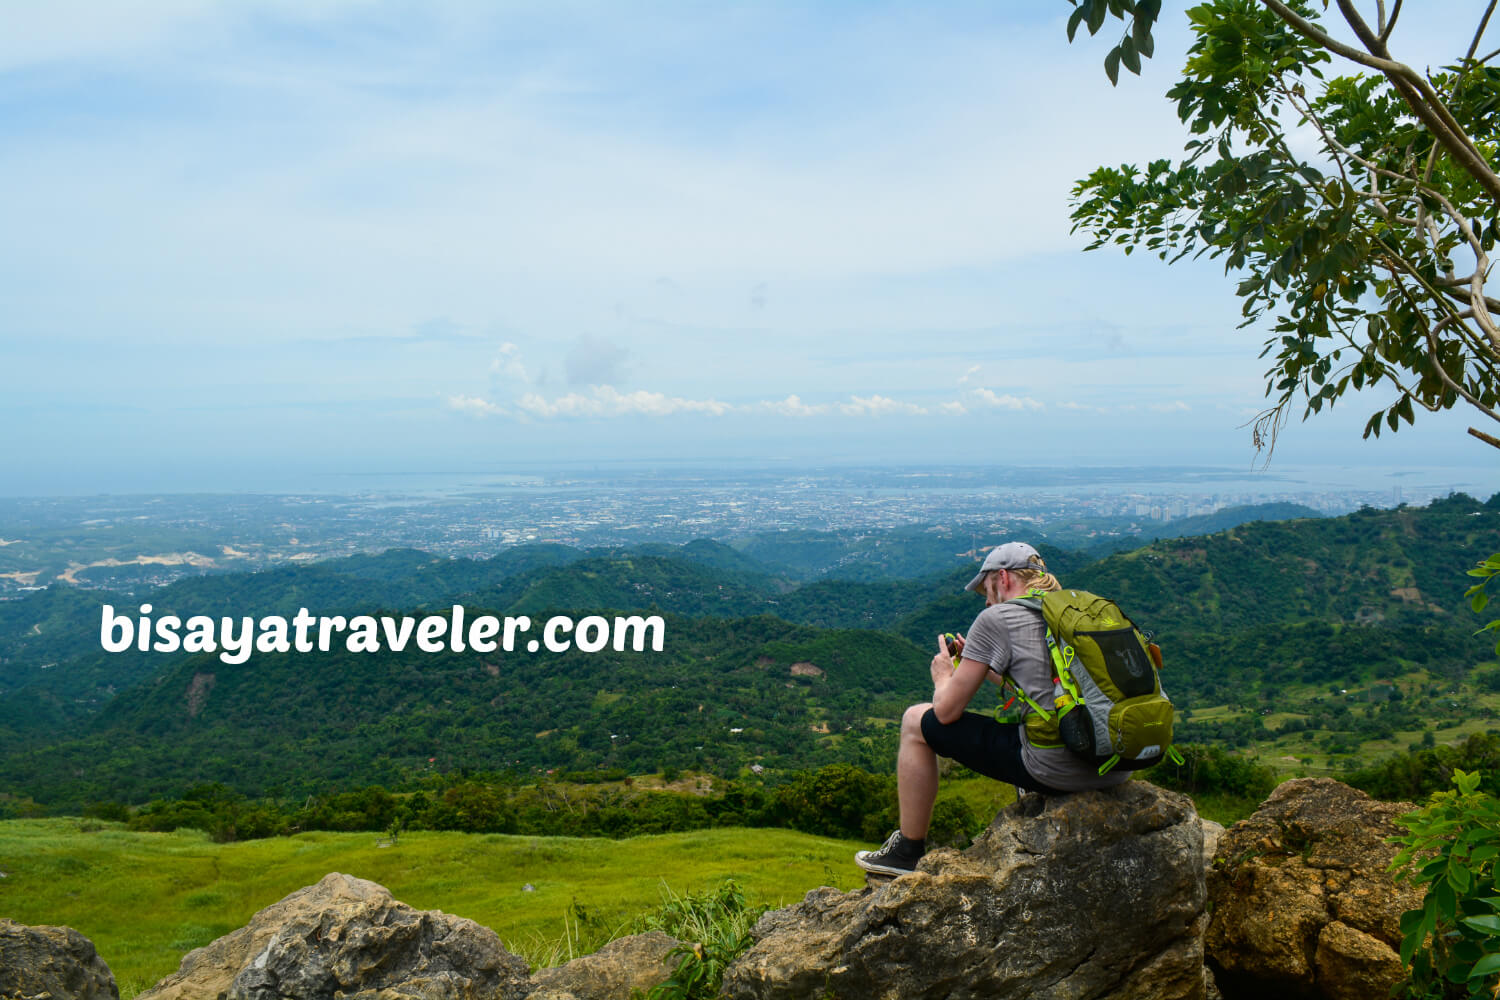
x: 1209, y: 770
x: 714, y: 928
x: 1452, y: 944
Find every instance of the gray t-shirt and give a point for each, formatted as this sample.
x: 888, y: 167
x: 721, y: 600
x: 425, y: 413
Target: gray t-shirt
x: 1011, y: 638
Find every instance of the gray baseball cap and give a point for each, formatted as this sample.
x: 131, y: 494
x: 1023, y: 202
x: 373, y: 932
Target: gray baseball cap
x: 1011, y: 555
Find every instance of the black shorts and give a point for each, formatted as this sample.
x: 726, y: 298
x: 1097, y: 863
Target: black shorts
x: 984, y: 745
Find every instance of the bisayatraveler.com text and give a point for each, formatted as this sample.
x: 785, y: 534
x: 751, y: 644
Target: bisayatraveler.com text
x: 235, y: 639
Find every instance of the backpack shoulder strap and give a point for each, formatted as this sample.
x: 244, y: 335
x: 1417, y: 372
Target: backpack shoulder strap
x: 1031, y: 599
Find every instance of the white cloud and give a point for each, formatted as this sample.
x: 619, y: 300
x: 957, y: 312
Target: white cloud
x: 476, y: 406
x: 793, y: 406
x: 606, y: 401
x: 879, y: 406
x: 1176, y: 406
x: 966, y: 376
x: 987, y: 397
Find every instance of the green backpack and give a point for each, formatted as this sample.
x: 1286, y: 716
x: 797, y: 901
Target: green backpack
x: 1109, y: 707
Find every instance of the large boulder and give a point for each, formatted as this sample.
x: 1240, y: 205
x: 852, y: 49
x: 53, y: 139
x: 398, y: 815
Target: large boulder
x: 346, y: 936
x: 54, y: 962
x: 614, y: 972
x: 1091, y: 895
x: 1302, y: 902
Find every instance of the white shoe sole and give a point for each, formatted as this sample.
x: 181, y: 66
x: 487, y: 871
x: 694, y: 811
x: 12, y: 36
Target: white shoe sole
x: 862, y: 858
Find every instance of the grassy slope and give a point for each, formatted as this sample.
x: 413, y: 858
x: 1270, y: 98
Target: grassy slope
x: 147, y: 898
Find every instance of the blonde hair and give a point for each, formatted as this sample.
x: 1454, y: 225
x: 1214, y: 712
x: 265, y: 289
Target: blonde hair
x: 1036, y: 576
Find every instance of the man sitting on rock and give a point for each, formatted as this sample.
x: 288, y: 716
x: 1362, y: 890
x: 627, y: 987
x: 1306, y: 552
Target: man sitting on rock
x: 1007, y: 642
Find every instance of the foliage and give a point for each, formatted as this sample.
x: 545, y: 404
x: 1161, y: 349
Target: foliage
x: 1452, y: 944
x: 1353, y: 254
x: 714, y: 927
x: 1415, y: 776
x: 1136, y: 43
x: 836, y: 801
x: 1478, y: 594
x: 1210, y: 770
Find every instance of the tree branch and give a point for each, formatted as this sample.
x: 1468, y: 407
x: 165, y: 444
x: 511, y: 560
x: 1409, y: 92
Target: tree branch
x: 1437, y: 366
x: 1390, y: 26
x: 1424, y: 102
x: 1413, y: 88
x: 1474, y: 45
x: 1487, y: 439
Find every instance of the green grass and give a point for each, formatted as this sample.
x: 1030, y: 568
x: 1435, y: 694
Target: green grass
x: 147, y: 898
x: 983, y: 796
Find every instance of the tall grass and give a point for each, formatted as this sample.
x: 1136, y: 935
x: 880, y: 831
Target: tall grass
x: 714, y: 928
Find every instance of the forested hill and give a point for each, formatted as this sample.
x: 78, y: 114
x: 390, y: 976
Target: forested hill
x: 1263, y: 614
x: 1404, y: 566
x: 720, y: 694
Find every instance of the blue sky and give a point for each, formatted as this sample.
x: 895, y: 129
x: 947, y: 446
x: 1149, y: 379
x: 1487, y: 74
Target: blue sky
x: 368, y: 237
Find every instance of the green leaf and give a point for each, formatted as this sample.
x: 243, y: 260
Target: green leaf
x: 1488, y: 924
x: 1098, y: 10
x: 1112, y: 66
x: 1075, y: 19
x: 1486, y: 966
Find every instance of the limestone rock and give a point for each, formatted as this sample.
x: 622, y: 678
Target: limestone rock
x: 1211, y: 833
x: 637, y: 962
x: 1301, y: 899
x: 1091, y: 895
x: 54, y: 962
x: 347, y: 936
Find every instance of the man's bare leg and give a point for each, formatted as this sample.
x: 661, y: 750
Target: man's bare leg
x: 916, y: 775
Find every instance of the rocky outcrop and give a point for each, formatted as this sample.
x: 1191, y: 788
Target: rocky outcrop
x: 54, y: 962
x: 1091, y: 895
x: 346, y: 936
x: 1302, y: 904
x: 613, y: 972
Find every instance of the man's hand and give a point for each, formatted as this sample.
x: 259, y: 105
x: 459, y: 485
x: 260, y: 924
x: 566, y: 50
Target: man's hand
x: 941, y: 667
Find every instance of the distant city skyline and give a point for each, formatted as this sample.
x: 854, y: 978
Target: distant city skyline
x: 265, y: 243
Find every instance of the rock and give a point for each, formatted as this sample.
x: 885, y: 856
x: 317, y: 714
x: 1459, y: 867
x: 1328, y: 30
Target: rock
x: 1211, y: 833
x: 637, y: 962
x: 54, y: 962
x: 347, y: 936
x: 1091, y: 895
x: 1302, y: 903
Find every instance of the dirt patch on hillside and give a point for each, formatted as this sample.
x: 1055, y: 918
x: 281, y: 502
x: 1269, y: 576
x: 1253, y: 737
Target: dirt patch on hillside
x: 70, y: 575
x: 198, y: 692
x: 805, y: 669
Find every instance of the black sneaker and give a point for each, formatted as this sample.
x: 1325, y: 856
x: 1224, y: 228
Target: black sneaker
x: 897, y: 856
